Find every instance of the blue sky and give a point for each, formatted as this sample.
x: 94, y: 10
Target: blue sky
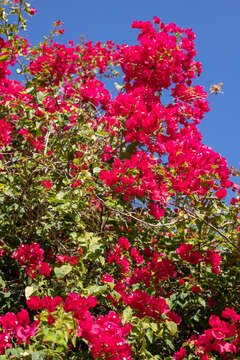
x: 216, y: 23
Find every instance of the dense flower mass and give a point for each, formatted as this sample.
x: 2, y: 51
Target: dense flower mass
x: 32, y: 257
x: 16, y: 326
x: 223, y: 338
x: 165, y: 131
x: 115, y: 241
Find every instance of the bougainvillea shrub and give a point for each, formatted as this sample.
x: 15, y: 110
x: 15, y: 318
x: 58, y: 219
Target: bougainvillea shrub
x: 116, y: 241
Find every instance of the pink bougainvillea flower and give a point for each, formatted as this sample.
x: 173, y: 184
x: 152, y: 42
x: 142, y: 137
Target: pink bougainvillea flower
x: 51, y: 319
x: 44, y: 269
x: 231, y: 314
x: 107, y: 278
x: 124, y: 243
x: 59, y: 31
x: 34, y: 303
x: 156, y: 20
x: 2, y: 252
x: 58, y: 23
x: 32, y: 11
x: 196, y: 289
x: 213, y: 258
x: 47, y: 184
x: 179, y: 355
x: 174, y: 317
x: 221, y: 193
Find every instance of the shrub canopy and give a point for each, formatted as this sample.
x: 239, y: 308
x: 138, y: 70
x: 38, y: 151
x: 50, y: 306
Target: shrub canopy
x: 115, y: 240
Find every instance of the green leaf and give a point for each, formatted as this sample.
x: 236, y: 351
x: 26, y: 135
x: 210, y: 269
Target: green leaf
x: 96, y: 170
x: 40, y: 97
x: 50, y: 336
x: 172, y: 327
x: 38, y: 356
x: 102, y: 260
x: 96, y: 289
x: 4, y: 57
x: 29, y: 290
x: 127, y: 314
x: 196, y: 317
x: 154, y: 326
x: 145, y: 323
x: 60, y: 195
x: 15, y: 352
x: 170, y: 344
x: 56, y: 337
x: 117, y: 86
x: 202, y: 302
x: 2, y: 282
x: 149, y: 334
x: 62, y: 271
x: 29, y: 90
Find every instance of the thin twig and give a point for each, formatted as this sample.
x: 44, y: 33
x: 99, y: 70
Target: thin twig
x: 135, y: 218
x: 194, y: 216
x: 46, y: 141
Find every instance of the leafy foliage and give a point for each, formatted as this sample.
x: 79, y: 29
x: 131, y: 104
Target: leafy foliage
x: 116, y: 242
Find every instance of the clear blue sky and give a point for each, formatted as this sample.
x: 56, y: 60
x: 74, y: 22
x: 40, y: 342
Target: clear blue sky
x: 216, y: 23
